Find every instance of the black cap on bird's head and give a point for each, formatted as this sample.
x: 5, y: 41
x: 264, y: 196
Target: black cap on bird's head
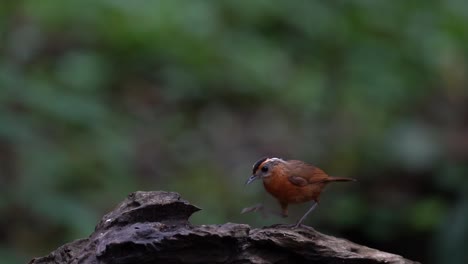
x: 264, y: 170
x: 258, y: 163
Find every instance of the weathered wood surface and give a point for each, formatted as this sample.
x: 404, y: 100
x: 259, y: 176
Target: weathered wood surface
x: 153, y: 227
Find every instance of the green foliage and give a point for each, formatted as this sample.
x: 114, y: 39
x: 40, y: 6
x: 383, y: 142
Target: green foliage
x: 426, y: 214
x: 102, y: 98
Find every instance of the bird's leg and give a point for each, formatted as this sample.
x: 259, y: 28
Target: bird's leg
x: 284, y: 209
x: 305, y: 215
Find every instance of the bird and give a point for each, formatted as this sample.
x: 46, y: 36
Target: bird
x: 291, y: 182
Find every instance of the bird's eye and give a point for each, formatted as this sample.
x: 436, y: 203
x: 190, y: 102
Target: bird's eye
x: 264, y: 168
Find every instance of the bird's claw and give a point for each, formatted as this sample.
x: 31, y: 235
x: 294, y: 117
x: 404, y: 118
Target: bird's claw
x: 255, y: 208
x: 302, y: 226
x: 261, y: 208
x: 298, y: 225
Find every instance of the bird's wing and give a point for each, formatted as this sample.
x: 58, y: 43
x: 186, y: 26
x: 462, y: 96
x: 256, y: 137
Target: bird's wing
x: 298, y: 180
x: 302, y: 173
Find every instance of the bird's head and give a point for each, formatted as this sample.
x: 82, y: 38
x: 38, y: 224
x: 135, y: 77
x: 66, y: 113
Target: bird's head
x: 263, y: 168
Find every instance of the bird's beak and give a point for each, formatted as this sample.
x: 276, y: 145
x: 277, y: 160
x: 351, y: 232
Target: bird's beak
x: 251, y: 179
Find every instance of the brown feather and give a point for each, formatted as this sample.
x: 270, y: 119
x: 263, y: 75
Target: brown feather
x: 294, y: 181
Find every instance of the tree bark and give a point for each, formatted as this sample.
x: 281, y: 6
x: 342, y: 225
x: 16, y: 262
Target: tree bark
x: 153, y: 227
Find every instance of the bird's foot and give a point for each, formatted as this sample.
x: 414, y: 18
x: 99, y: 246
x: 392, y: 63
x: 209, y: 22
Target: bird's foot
x: 298, y: 225
x: 261, y: 208
x: 255, y: 208
x: 302, y: 226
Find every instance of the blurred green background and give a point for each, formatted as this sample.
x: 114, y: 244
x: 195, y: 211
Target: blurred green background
x: 102, y: 98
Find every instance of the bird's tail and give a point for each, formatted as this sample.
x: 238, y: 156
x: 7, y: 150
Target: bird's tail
x: 339, y: 179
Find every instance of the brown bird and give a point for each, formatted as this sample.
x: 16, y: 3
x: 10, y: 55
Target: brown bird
x: 291, y: 181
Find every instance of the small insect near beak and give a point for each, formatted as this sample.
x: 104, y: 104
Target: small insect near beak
x: 251, y: 179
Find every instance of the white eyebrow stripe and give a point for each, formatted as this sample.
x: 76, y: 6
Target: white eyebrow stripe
x: 274, y: 159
